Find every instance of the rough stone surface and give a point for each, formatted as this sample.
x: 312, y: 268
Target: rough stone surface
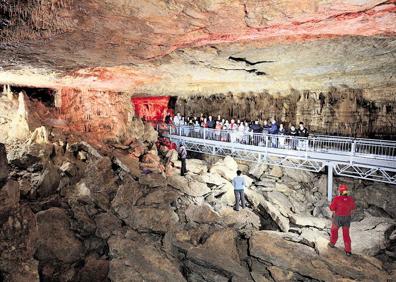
x: 3, y: 164
x: 138, y: 261
x: 270, y: 247
x: 188, y: 186
x: 56, y: 240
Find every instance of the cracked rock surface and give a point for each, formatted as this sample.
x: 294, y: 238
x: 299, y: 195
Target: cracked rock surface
x: 100, y: 222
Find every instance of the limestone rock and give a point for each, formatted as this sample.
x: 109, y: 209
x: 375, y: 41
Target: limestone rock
x: 220, y: 253
x: 49, y: 181
x: 106, y: 225
x: 369, y: 235
x: 228, y: 197
x: 258, y: 199
x: 139, y: 261
x: 9, y: 198
x: 299, y: 175
x: 195, y: 166
x: 95, y: 269
x: 211, y: 179
x: 276, y: 171
x: 3, y: 164
x: 202, y: 214
x: 379, y: 195
x: 310, y: 221
x: 56, y: 240
x: 69, y: 169
x: 282, y: 201
x: 153, y: 180
x: 18, y: 243
x: 226, y: 168
x: 272, y: 248
x: 257, y: 169
x: 243, y: 219
x: 149, y: 219
x: 188, y: 186
x: 39, y: 136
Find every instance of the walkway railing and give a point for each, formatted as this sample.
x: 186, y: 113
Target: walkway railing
x: 366, y: 159
x: 367, y: 148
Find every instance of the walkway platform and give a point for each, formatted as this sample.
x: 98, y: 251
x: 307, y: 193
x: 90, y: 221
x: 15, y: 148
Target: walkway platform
x: 367, y: 159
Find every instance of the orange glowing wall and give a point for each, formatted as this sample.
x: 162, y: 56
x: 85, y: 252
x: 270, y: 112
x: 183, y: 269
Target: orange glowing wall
x: 151, y: 108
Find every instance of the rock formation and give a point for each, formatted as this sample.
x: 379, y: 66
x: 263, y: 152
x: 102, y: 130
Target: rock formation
x: 95, y: 219
x: 87, y: 193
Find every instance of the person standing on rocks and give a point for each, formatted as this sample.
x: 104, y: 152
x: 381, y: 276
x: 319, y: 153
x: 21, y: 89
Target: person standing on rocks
x: 183, y: 156
x: 239, y: 184
x: 342, y: 206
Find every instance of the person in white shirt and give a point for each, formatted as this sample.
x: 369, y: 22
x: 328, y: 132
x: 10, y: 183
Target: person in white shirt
x: 239, y: 184
x: 177, y: 119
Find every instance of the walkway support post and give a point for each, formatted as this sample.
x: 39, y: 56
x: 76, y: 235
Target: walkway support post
x: 329, y: 181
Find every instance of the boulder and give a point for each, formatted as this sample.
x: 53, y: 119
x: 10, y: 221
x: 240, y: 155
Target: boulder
x: 9, y: 198
x: 226, y: 168
x: 299, y: 175
x: 18, y: 243
x: 228, y: 197
x: 194, y: 165
x: 219, y: 253
x: 153, y: 180
x: 243, y: 219
x: 94, y: 269
x: 257, y: 169
x: 126, y: 197
x: 188, y: 186
x: 49, y: 181
x: 55, y: 239
x: 258, y: 199
x: 83, y: 224
x: 271, y: 248
x: 211, y: 179
x: 379, y: 195
x: 68, y: 169
x: 3, y: 165
x: 150, y: 219
x: 279, y: 199
x: 107, y: 224
x: 201, y: 214
x: 276, y: 171
x: 266, y: 184
x: 39, y: 136
x: 140, y: 261
x: 310, y: 221
x: 127, y: 163
x: 369, y: 236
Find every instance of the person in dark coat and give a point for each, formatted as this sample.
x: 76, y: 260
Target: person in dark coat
x: 183, y: 157
x: 293, y: 133
x: 302, y: 131
x: 273, y: 130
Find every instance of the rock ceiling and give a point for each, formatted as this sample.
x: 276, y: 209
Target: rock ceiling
x: 184, y: 47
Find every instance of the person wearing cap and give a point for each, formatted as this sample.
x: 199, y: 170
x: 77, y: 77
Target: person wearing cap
x: 342, y: 207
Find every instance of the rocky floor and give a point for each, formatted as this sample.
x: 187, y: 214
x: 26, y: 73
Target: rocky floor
x: 71, y: 213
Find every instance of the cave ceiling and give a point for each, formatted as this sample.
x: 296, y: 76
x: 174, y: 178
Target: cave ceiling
x: 183, y: 47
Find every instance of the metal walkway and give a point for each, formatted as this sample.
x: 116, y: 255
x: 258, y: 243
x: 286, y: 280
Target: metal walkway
x: 358, y: 158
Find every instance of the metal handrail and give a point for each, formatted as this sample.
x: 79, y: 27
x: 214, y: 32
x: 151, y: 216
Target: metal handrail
x: 368, y: 148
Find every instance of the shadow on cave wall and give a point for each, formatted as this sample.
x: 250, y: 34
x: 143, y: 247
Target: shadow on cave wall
x: 344, y: 112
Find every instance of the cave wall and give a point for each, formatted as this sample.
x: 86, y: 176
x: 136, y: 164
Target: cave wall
x: 105, y: 114
x: 338, y: 111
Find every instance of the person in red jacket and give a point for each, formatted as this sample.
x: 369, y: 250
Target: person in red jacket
x: 342, y: 206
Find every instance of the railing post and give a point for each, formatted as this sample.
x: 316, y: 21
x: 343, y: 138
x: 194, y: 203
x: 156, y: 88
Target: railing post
x: 180, y: 134
x: 329, y: 181
x: 204, y: 133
